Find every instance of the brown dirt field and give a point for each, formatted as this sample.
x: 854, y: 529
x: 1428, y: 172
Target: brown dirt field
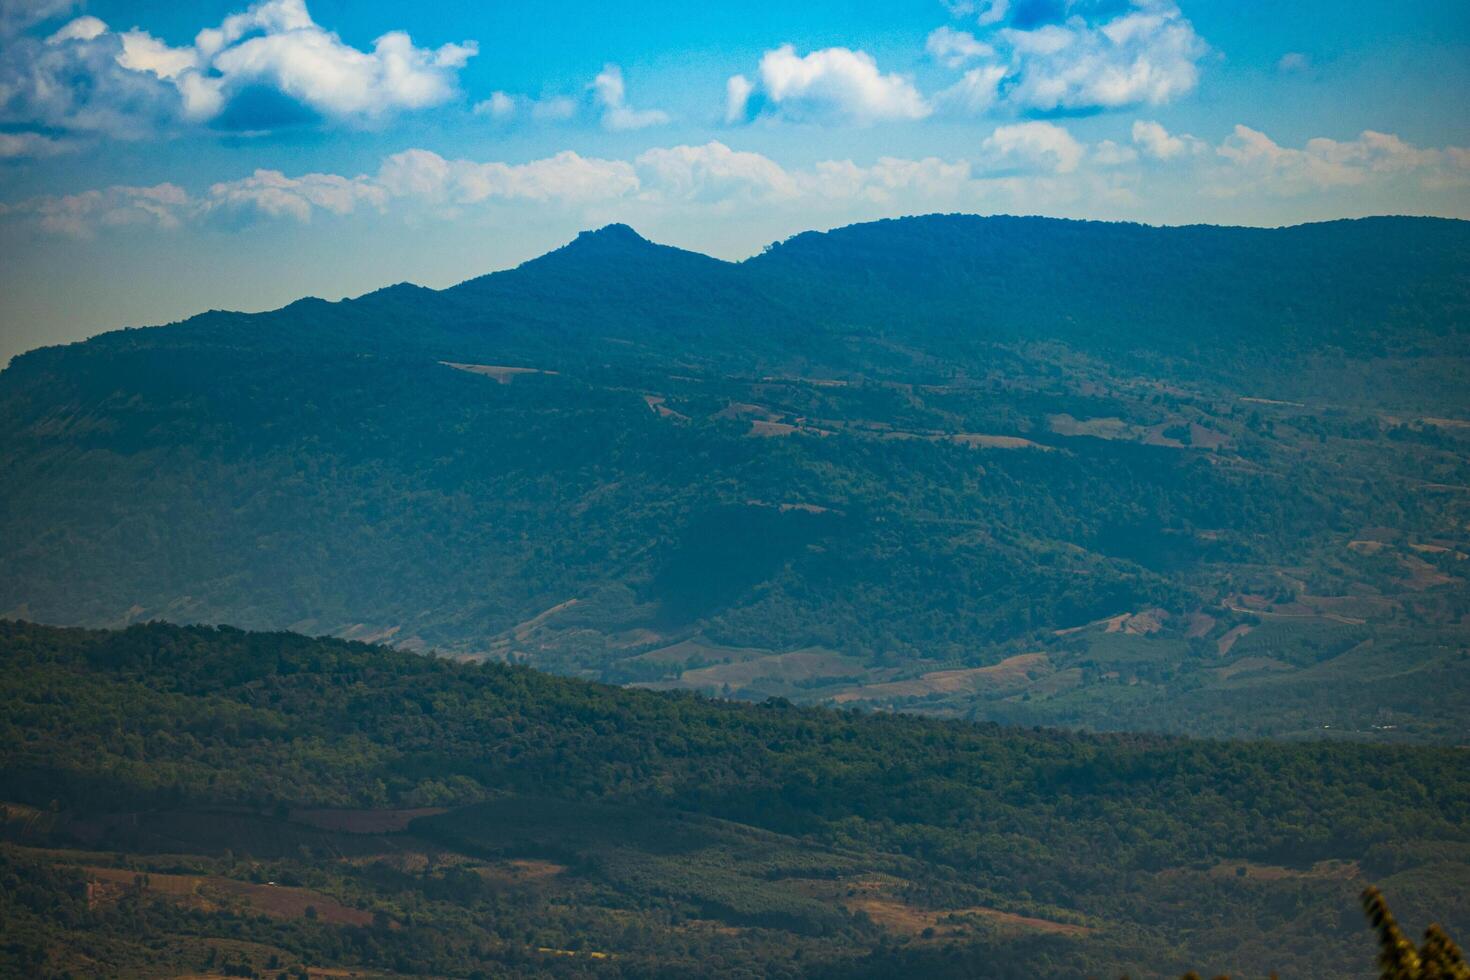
x: 798, y: 665
x: 1423, y: 575
x: 1106, y: 428
x: 1199, y: 625
x: 501, y: 374
x: 872, y: 896
x: 976, y: 440
x: 1439, y: 549
x: 521, y: 871
x: 1011, y: 672
x: 520, y: 630
x: 767, y: 430
x: 277, y: 901
x: 1137, y: 624
x: 1366, y: 547
x: 656, y: 403
x: 1223, y: 645
x: 364, y: 821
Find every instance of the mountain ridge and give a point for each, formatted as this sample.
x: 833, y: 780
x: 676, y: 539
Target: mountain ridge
x: 1020, y: 469
x: 620, y: 241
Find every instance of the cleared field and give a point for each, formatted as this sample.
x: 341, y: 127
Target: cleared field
x: 696, y: 651
x: 502, y: 374
x: 1227, y: 642
x: 1013, y: 672
x: 276, y: 901
x: 873, y: 896
x: 799, y: 665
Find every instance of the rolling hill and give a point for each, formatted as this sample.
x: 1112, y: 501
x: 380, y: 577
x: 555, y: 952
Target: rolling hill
x: 1198, y: 480
x: 182, y: 800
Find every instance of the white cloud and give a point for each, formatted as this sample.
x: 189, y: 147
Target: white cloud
x: 1253, y: 162
x: 15, y: 146
x: 84, y: 77
x: 499, y: 106
x: 1154, y: 141
x: 714, y: 172
x: 18, y: 15
x: 738, y: 90
x: 893, y: 179
x: 976, y: 91
x: 314, y: 67
x: 985, y: 12
x: 830, y: 84
x: 566, y: 178
x: 605, y: 99
x: 611, y: 97
x: 80, y: 215
x: 1033, y: 166
x: 273, y: 193
x: 1144, y: 56
x: 144, y: 52
x: 954, y: 48
x: 1035, y: 143
x: 1147, y: 54
x: 82, y: 29
x: 1107, y: 153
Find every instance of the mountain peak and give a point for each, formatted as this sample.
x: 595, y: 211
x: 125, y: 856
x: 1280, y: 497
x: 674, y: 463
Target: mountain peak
x: 616, y: 232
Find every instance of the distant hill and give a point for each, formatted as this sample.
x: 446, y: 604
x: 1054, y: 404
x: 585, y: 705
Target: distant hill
x: 1206, y: 480
x: 191, y: 799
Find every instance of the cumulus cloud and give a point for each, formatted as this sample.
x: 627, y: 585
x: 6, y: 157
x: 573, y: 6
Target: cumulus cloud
x: 499, y: 106
x: 273, y: 193
x: 566, y: 178
x: 1154, y: 141
x: 714, y: 172
x: 269, y: 65
x: 1070, y: 57
x: 81, y: 215
x: 1255, y: 162
x: 830, y: 84
x: 1035, y: 143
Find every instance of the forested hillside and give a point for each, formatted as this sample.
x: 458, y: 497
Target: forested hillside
x: 1199, y: 480
x: 192, y: 799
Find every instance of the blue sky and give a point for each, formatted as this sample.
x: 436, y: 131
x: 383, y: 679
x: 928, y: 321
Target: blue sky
x: 161, y: 158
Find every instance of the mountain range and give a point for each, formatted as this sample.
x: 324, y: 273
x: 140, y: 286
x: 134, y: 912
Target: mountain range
x: 1199, y: 480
